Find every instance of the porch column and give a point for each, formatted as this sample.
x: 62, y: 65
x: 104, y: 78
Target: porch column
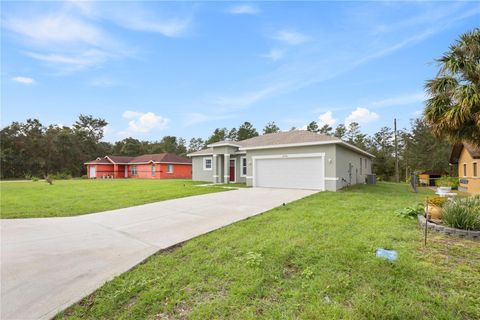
x: 226, y: 171
x: 214, y: 169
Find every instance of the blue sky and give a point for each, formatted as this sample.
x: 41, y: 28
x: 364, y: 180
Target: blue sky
x: 176, y: 68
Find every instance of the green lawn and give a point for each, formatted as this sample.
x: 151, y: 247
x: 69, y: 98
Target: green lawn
x: 312, y: 259
x: 74, y: 197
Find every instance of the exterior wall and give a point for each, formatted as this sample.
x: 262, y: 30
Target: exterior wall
x: 329, y: 150
x: 198, y: 174
x: 345, y: 157
x: 101, y: 170
x: 144, y: 171
x: 180, y: 171
x: 468, y: 182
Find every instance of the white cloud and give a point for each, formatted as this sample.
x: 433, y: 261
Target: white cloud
x: 274, y: 55
x: 291, y: 37
x: 326, y: 118
x: 73, y: 36
x: 72, y: 62
x: 243, y: 9
x: 144, y: 122
x: 23, y: 80
x: 361, y: 116
x: 55, y: 29
x: 143, y: 22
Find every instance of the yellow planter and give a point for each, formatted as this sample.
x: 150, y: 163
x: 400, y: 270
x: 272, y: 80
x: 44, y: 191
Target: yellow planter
x: 434, y: 212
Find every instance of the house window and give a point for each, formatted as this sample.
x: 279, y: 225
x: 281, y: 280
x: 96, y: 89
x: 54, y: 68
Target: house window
x: 474, y: 169
x: 207, y: 163
x: 243, y: 161
x: 365, y: 163
x: 361, y: 166
x: 134, y: 170
x: 169, y: 168
x: 464, y: 169
x: 154, y: 170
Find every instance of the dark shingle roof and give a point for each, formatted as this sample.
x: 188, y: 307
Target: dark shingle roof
x: 158, y: 157
x: 457, y: 150
x: 161, y: 157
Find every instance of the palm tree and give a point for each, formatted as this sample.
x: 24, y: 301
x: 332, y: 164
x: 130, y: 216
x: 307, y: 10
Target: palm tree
x: 453, y: 108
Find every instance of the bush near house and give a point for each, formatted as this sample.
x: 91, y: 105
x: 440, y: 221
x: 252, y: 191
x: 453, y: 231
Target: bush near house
x: 447, y: 182
x: 463, y: 213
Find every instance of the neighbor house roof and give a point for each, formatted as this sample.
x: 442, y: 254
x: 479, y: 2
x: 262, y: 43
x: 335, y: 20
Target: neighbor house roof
x: 281, y: 139
x: 457, y: 150
x: 146, y: 158
x: 99, y: 161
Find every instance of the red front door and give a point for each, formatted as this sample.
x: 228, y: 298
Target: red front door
x: 232, y: 170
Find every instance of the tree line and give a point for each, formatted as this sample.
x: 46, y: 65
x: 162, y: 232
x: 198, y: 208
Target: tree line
x: 32, y: 149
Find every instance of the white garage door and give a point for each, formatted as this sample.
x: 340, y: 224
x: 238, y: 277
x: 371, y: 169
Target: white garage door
x: 293, y: 171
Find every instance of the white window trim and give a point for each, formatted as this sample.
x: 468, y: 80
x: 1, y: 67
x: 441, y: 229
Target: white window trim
x: 464, y: 169
x: 153, y: 169
x: 241, y: 167
x: 204, y: 160
x: 289, y: 156
x: 473, y: 171
x: 167, y: 168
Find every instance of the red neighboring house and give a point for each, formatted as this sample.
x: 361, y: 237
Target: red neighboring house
x: 147, y: 166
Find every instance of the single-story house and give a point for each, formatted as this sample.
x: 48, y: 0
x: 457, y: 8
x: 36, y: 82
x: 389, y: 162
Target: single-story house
x: 295, y: 159
x: 147, y: 166
x: 467, y: 157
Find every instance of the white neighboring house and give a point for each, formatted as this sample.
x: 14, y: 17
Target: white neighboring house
x: 296, y: 159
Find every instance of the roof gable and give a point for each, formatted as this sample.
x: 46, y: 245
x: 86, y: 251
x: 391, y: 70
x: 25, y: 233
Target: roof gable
x: 457, y: 151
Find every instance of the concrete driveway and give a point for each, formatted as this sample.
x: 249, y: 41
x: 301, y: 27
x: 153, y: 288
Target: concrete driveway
x: 48, y: 264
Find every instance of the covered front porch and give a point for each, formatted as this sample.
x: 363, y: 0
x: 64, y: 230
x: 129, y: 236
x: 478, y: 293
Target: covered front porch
x: 226, y: 168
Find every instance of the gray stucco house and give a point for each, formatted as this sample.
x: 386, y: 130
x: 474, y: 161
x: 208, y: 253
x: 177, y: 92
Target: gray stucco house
x: 294, y: 159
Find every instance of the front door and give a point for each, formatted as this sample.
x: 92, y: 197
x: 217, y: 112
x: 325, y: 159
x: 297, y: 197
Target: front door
x: 93, y: 172
x: 232, y: 170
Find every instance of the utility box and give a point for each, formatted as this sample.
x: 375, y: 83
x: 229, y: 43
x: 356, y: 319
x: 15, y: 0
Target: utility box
x: 371, y: 179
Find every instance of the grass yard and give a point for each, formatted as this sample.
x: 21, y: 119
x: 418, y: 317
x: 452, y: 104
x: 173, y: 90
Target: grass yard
x: 75, y: 197
x: 312, y: 259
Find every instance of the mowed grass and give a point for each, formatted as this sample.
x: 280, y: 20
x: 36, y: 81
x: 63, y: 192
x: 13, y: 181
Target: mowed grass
x: 75, y: 197
x: 311, y: 259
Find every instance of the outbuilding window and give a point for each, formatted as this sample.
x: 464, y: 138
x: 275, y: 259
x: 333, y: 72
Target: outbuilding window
x: 154, y: 170
x: 474, y: 169
x: 243, y: 161
x: 134, y: 170
x: 169, y: 168
x: 207, y: 163
x: 361, y: 166
x: 464, y: 169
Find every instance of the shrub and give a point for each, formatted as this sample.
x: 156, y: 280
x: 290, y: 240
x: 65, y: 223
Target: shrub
x: 447, y: 182
x: 84, y: 176
x: 34, y: 179
x: 49, y: 179
x: 411, y: 212
x: 437, y: 201
x: 463, y: 213
x: 62, y: 176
